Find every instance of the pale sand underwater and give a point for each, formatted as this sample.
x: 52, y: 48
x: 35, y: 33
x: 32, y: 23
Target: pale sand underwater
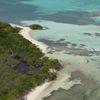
x: 77, y: 47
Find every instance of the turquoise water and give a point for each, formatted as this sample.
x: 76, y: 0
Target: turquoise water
x: 73, y: 37
x: 80, y: 12
x: 78, y: 48
x: 66, y: 5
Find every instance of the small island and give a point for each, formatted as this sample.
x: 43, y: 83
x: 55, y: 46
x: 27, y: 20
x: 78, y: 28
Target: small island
x: 22, y: 65
x: 36, y: 27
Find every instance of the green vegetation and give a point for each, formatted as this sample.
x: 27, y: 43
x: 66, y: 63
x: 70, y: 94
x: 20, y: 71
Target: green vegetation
x: 36, y: 27
x: 22, y: 65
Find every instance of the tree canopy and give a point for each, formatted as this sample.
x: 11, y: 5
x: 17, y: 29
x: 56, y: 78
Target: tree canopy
x: 22, y: 65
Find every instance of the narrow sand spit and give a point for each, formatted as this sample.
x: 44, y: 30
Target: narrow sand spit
x: 25, y: 32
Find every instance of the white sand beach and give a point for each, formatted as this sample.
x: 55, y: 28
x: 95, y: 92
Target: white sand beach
x: 25, y: 32
x: 32, y: 95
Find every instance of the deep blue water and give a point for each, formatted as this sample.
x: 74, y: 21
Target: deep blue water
x: 66, y: 11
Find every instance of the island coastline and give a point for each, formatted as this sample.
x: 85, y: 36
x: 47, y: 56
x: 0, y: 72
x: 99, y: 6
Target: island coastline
x: 25, y: 32
x: 35, y: 92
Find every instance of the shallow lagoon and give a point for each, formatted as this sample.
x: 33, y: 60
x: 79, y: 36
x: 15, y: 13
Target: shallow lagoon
x: 78, y: 49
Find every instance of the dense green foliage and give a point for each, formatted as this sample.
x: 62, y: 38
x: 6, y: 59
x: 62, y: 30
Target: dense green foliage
x: 36, y: 27
x: 22, y: 65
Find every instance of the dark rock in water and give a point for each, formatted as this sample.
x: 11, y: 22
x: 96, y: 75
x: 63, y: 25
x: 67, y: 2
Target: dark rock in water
x: 98, y: 67
x: 60, y: 40
x: 36, y: 27
x: 74, y: 45
x: 89, y: 34
x: 22, y: 67
x: 97, y: 34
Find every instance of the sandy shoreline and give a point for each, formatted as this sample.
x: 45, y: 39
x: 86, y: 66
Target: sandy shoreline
x: 34, y: 93
x: 25, y: 32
